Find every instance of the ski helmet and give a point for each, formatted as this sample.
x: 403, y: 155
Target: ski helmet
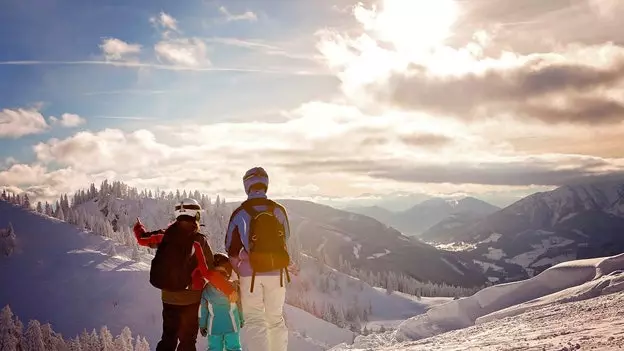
x: 256, y: 175
x: 188, y: 208
x: 221, y: 260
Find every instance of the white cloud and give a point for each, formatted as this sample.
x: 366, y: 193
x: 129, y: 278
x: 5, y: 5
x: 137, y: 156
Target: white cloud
x: 15, y: 123
x: 116, y: 50
x: 68, y: 120
x: 319, y: 149
x: 109, y: 149
x: 191, y: 52
x: 245, y: 16
x: 165, y: 20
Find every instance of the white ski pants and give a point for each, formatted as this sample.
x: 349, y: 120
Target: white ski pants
x: 264, y: 328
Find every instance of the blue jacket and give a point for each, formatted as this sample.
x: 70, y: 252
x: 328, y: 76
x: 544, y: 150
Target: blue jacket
x: 217, y: 315
x: 237, y: 237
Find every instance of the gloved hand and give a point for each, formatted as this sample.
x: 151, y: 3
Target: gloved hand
x: 138, y: 228
x: 203, y: 332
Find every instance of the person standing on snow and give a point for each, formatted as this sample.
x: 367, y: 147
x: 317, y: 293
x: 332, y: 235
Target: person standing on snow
x: 219, y: 319
x: 256, y: 243
x: 183, y: 260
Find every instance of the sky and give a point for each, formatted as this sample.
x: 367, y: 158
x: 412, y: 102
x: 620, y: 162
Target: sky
x: 377, y: 101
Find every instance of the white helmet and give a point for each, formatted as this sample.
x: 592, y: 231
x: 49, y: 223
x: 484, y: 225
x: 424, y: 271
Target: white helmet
x: 188, y: 207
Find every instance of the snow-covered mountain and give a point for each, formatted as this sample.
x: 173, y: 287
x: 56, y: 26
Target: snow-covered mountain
x: 573, y: 305
x: 53, y: 265
x: 76, y: 280
x: 429, y: 217
x: 367, y: 244
x: 324, y: 232
x: 573, y: 221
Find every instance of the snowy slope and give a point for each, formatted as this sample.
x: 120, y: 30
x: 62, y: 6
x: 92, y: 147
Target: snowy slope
x: 77, y: 280
x: 564, y: 283
x: 592, y: 324
x: 318, y: 286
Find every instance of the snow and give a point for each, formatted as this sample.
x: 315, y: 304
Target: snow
x: 550, y: 261
x: 452, y: 266
x: 568, y: 216
x: 66, y: 276
x: 461, y: 246
x: 487, y: 265
x: 494, y: 254
x: 379, y: 254
x: 348, y: 292
x: 526, y: 259
x: 580, y: 232
x: 509, y: 314
x: 316, y: 333
x: 343, y: 236
x: 492, y: 238
x: 356, y: 251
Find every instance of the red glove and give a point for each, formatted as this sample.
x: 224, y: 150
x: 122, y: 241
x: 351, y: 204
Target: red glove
x: 138, y: 229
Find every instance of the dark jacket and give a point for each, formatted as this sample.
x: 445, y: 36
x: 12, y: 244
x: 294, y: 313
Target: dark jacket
x: 204, y: 271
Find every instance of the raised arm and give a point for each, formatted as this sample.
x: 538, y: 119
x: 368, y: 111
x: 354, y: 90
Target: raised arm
x: 150, y: 239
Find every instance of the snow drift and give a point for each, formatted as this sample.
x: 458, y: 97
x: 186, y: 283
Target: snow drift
x: 587, y: 278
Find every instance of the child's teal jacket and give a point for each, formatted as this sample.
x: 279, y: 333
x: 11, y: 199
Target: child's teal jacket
x: 217, y: 315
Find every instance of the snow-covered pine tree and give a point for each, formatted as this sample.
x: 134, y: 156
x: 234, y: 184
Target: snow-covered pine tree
x: 106, y: 339
x: 9, y: 339
x: 48, y: 209
x: 39, y: 207
x: 33, y: 337
x: 4, y: 195
x: 74, y: 345
x: 123, y: 341
x: 26, y: 203
x: 60, y: 214
x: 141, y: 344
x: 51, y: 339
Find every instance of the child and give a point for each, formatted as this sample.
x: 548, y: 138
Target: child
x: 220, y: 319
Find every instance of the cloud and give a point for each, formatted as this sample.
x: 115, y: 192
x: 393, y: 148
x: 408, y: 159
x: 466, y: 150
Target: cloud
x: 181, y: 68
x: 42, y: 184
x: 166, y: 21
x: 15, y: 123
x: 245, y: 16
x: 388, y: 64
x: 109, y: 149
x: 334, y: 149
x: 549, y: 87
x: 68, y: 120
x: 190, y: 52
x: 117, y: 50
x: 267, y: 49
x: 534, y: 170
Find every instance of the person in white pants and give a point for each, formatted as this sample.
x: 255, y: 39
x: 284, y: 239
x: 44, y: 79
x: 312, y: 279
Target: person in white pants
x: 262, y: 294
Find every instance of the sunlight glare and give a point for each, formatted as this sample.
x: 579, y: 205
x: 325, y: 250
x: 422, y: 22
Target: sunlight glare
x: 414, y: 27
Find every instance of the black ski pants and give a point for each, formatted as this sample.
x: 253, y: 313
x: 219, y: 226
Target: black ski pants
x: 179, y: 323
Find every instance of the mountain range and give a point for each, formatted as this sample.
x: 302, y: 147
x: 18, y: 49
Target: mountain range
x: 422, y: 216
x: 576, y: 221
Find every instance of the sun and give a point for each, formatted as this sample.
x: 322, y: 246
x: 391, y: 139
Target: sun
x: 414, y: 27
